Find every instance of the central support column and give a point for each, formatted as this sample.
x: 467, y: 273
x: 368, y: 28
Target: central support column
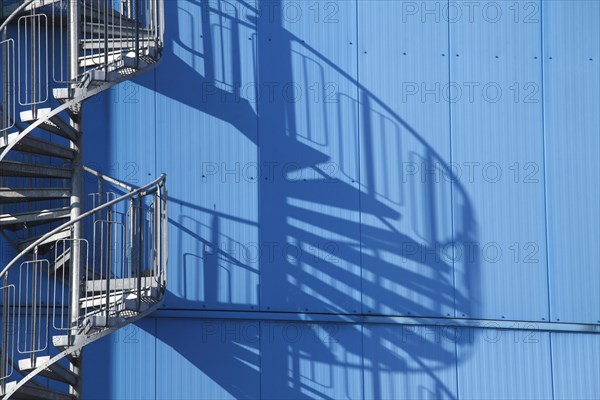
x: 77, y: 187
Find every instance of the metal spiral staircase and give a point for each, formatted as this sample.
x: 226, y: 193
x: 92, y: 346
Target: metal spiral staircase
x: 81, y: 266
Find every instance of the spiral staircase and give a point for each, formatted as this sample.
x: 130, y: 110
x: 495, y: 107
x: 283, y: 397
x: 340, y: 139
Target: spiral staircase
x: 80, y: 266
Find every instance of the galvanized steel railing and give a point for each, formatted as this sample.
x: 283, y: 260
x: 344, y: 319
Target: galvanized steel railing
x: 132, y: 261
x: 51, y: 48
x: 102, y: 268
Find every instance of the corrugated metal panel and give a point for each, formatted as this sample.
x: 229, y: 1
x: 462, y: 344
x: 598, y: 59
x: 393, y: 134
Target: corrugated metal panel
x: 575, y: 366
x: 207, y: 359
x: 405, y: 150
x: 409, y: 362
x: 310, y: 361
x: 133, y: 371
x: 97, y: 150
x: 500, y: 364
x: 497, y: 145
x: 572, y: 123
x: 131, y: 131
x: 122, y: 365
x: 309, y: 198
x: 98, y: 359
x: 123, y: 145
x: 209, y: 94
x: 206, y: 143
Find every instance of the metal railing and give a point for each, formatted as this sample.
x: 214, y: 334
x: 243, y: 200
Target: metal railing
x: 111, y: 35
x: 123, y: 267
x: 105, y: 267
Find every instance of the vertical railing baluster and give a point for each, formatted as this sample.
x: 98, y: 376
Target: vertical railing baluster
x: 106, y: 39
x: 33, y: 67
x: 139, y: 253
x: 108, y: 260
x: 137, y: 32
x: 34, y: 310
x: 5, y: 106
x: 5, y: 322
x: 156, y: 236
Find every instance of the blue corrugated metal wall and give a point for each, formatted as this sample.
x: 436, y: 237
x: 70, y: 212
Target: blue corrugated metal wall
x: 349, y: 158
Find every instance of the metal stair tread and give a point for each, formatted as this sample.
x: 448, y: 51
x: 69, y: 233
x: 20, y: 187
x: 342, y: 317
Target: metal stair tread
x: 38, y: 216
x: 121, y: 298
x: 15, y: 195
x: 54, y: 371
x: 54, y: 124
x: 97, y: 28
x: 99, y: 285
x: 98, y: 58
x: 31, y: 392
x: 66, y: 234
x: 21, y: 169
x: 100, y: 300
x: 94, y: 13
x: 30, y: 144
x: 42, y: 147
x: 112, y: 43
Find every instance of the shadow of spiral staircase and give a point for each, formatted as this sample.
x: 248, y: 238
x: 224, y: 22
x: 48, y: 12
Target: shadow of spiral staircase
x: 79, y: 273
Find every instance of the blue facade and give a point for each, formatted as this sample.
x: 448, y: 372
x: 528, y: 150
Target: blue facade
x: 334, y: 164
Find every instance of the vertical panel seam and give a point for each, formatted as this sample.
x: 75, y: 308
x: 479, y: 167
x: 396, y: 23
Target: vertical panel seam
x: 256, y: 52
x: 457, y: 385
x: 542, y: 43
x: 547, y: 239
x: 358, y: 152
x: 551, y: 365
x: 451, y: 163
x: 362, y: 357
x: 456, y: 366
x: 256, y: 77
x: 260, y: 354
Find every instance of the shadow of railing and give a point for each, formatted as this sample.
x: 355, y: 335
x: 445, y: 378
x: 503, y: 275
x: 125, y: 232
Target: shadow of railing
x: 356, y: 213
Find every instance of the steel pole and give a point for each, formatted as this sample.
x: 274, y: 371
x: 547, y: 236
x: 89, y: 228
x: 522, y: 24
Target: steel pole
x: 77, y: 186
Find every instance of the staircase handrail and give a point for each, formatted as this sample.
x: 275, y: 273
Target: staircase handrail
x: 158, y: 183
